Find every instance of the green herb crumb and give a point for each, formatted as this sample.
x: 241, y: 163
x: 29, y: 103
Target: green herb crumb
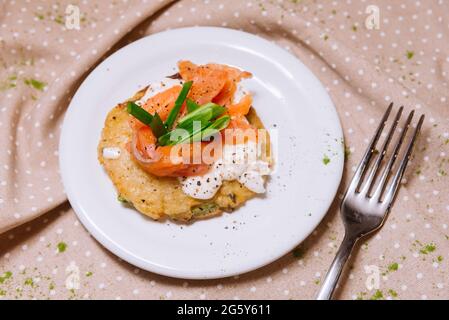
x: 326, y: 160
x: 62, y: 246
x: 378, y: 295
x: 347, y: 152
x: 36, y: 84
x: 428, y: 248
x: 361, y: 295
x: 410, y: 54
x: 29, y: 282
x: 393, y: 293
x: 393, y: 267
x: 89, y: 273
x: 59, y: 19
x: 5, y: 276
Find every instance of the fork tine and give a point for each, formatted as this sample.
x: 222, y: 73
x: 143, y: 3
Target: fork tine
x: 383, y: 180
x: 389, y: 196
x: 371, y: 178
x: 359, y: 173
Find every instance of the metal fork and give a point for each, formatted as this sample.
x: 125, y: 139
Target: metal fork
x: 363, y: 210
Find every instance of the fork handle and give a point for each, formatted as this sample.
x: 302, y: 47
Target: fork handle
x: 335, y: 270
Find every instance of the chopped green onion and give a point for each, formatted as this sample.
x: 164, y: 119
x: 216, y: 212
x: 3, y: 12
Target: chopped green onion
x: 217, y: 110
x: 139, y: 113
x: 190, y: 138
x: 172, y: 137
x: 178, y: 103
x: 157, y: 126
x: 204, y: 113
x: 215, y: 127
x: 205, y: 132
x: 191, y: 105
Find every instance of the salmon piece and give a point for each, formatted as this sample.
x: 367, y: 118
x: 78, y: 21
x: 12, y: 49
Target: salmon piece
x: 161, y: 103
x: 239, y: 130
x: 207, y: 82
x: 211, y: 82
x: 224, y: 98
x: 242, y: 107
x: 159, y: 158
x: 234, y: 74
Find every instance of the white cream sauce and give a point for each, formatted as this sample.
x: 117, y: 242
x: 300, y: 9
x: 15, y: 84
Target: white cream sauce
x: 239, y: 162
x: 111, y: 152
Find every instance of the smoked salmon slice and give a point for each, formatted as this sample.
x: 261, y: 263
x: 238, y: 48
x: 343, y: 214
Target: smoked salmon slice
x: 211, y: 83
x: 161, y: 103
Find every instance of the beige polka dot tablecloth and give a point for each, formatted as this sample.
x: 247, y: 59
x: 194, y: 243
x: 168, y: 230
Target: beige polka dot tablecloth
x: 45, y: 253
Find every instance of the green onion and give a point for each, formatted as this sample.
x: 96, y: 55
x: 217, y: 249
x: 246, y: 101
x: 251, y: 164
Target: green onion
x: 139, y: 113
x: 172, y: 137
x: 207, y: 131
x: 178, y: 103
x: 215, y: 127
x: 215, y: 108
x: 190, y: 138
x: 191, y: 105
x: 204, y: 113
x: 157, y: 126
x: 155, y: 121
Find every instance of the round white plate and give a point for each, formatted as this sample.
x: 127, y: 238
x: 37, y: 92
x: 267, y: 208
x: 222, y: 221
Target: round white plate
x: 287, y: 97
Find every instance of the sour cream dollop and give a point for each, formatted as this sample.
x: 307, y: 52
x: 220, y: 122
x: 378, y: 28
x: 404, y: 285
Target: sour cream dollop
x: 111, y: 153
x: 238, y: 162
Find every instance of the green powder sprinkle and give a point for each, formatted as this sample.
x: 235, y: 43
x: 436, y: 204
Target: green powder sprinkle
x: 378, y: 295
x: 62, y: 246
x: 5, y: 276
x: 393, y: 293
x: 428, y: 248
x: 393, y: 267
x: 36, y: 84
x: 410, y: 54
x: 29, y: 282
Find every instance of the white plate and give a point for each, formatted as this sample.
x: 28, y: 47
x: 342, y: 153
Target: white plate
x: 286, y: 95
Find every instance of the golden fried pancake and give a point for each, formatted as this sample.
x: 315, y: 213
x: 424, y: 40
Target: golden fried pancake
x: 160, y: 197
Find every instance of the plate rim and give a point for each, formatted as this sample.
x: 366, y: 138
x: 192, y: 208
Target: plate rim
x: 122, y: 253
